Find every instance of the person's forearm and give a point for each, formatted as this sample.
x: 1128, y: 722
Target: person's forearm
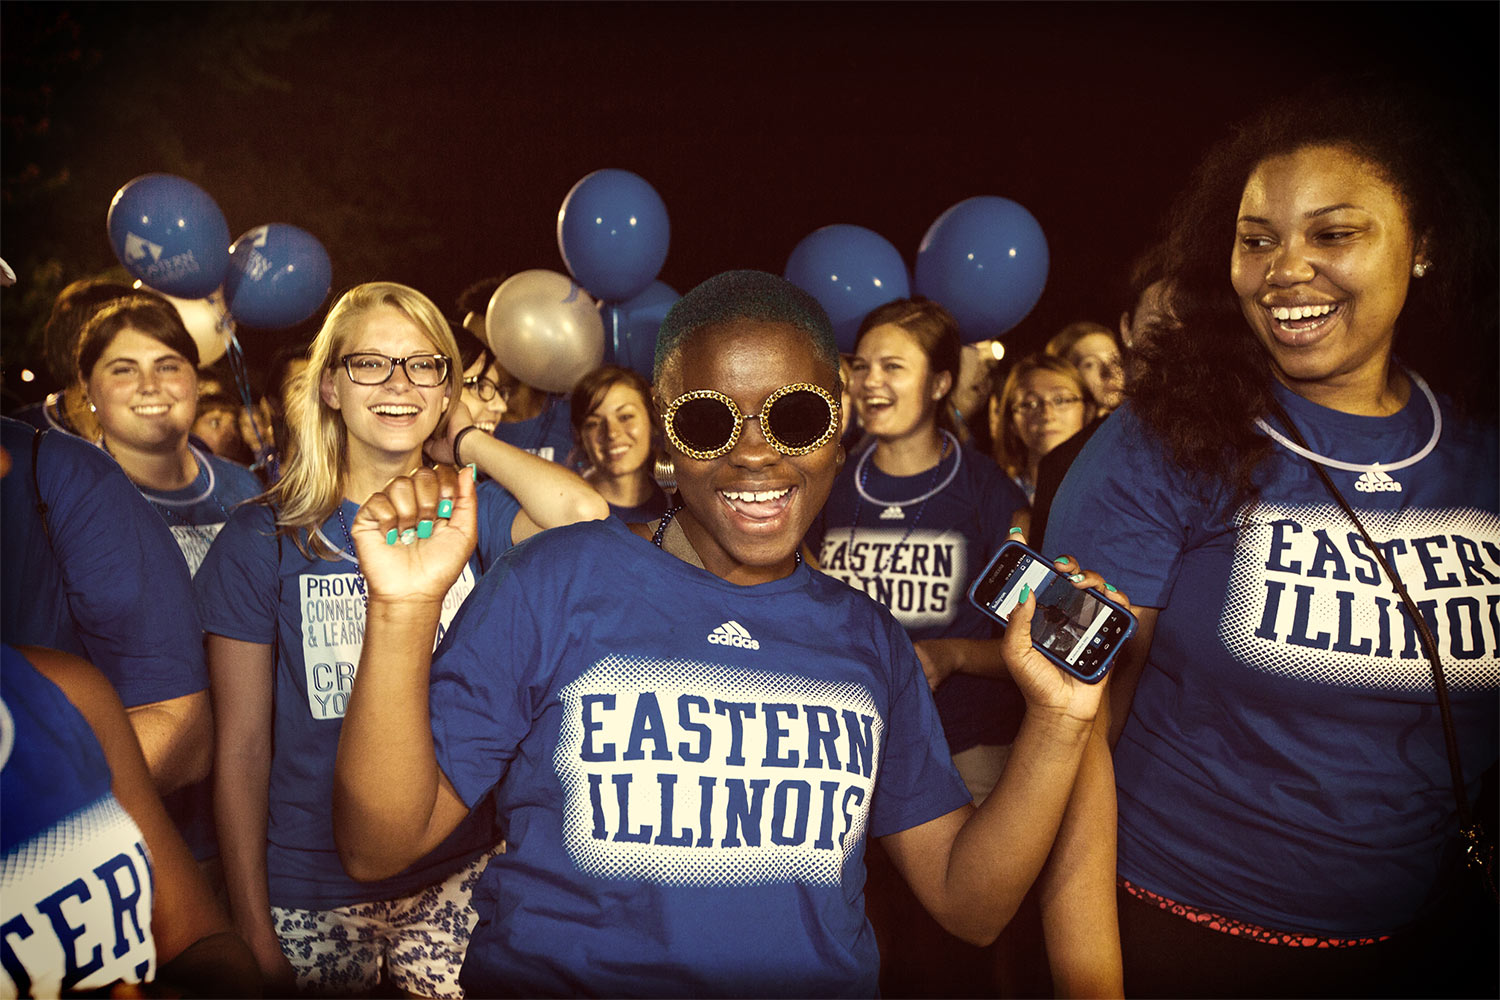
x: 980, y: 657
x: 1080, y: 922
x: 998, y: 853
x: 242, y: 784
x: 386, y: 779
x: 550, y: 494
x: 176, y: 737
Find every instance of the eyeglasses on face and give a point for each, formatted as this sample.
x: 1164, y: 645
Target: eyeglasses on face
x: 795, y: 419
x: 369, y: 368
x: 487, y: 389
x: 1035, y: 404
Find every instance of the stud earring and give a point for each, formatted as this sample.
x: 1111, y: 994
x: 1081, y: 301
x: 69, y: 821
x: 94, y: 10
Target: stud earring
x: 1419, y: 269
x: 91, y: 408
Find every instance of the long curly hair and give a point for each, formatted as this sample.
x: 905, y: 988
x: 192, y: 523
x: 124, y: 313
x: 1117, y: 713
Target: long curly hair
x: 1200, y: 383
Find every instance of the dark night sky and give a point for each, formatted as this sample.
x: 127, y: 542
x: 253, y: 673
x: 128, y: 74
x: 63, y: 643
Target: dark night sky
x: 433, y: 144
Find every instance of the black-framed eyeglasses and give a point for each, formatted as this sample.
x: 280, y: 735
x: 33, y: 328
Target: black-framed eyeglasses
x: 1034, y: 404
x: 795, y: 419
x: 369, y: 368
x: 488, y: 389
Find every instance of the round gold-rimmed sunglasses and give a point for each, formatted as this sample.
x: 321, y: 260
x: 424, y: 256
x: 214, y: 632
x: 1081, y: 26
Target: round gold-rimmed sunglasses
x: 795, y: 419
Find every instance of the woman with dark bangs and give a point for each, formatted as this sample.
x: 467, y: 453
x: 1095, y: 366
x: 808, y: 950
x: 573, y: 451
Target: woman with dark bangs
x: 615, y: 433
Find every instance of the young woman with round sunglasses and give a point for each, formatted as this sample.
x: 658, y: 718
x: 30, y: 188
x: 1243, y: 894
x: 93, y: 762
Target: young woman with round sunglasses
x: 690, y: 783
x: 615, y: 430
x: 282, y: 597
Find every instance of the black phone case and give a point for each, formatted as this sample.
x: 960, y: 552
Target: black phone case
x: 1088, y: 678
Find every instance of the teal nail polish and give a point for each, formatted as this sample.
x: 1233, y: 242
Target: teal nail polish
x: 1111, y: 588
x: 1025, y: 593
x: 1076, y: 578
x: 473, y: 473
x: 1062, y: 559
x: 1015, y: 531
x: 390, y: 537
x: 424, y: 529
x: 408, y: 536
x: 445, y: 507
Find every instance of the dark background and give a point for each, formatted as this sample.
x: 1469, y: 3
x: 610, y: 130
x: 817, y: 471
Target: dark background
x: 432, y: 144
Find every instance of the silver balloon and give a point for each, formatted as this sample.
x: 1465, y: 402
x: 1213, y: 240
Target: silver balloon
x: 207, y: 321
x: 545, y: 330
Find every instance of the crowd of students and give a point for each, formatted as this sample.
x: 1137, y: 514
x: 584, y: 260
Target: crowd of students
x: 483, y: 689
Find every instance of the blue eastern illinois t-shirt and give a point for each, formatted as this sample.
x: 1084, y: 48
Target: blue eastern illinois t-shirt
x: 76, y: 879
x: 916, y: 544
x: 687, y: 771
x: 1283, y: 762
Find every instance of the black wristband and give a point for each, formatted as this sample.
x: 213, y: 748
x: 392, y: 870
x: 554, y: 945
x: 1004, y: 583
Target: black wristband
x: 458, y: 439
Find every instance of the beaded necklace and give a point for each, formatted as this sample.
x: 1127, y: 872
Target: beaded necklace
x: 666, y: 519
x: 862, y: 475
x: 359, y: 577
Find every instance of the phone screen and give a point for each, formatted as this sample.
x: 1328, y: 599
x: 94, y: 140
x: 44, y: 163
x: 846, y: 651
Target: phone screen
x: 1075, y: 627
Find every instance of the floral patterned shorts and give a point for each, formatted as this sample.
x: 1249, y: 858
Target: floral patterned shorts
x: 419, y: 940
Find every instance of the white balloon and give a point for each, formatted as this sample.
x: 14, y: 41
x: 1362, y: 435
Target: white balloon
x: 209, y: 323
x: 545, y: 330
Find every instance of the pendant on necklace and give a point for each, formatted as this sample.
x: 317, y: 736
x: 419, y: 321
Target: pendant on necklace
x: 893, y: 513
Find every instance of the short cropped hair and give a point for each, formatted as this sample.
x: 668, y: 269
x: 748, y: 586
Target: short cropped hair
x: 752, y: 295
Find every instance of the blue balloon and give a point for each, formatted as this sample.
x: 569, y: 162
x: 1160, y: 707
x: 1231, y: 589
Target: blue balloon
x: 850, y: 270
x: 278, y: 276
x: 613, y: 233
x: 630, y: 327
x: 985, y: 260
x: 170, y: 234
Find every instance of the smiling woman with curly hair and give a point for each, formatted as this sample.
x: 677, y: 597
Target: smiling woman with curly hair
x: 1288, y: 819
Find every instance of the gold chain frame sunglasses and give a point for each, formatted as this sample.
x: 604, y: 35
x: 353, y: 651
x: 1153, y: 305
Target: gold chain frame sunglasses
x: 795, y: 419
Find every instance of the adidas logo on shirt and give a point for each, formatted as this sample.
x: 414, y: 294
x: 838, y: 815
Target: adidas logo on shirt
x: 893, y: 513
x: 1375, y: 481
x: 732, y: 633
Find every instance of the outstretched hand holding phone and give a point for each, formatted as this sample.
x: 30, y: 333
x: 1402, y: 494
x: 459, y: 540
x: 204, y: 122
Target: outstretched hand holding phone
x: 1073, y: 618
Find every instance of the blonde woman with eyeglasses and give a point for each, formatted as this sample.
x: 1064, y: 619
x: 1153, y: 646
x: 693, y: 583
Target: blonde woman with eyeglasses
x: 282, y: 599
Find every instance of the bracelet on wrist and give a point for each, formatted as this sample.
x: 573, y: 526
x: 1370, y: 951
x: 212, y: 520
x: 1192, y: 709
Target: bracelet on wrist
x: 458, y: 440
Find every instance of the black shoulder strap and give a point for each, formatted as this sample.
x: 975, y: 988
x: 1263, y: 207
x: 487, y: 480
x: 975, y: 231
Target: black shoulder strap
x: 36, y: 482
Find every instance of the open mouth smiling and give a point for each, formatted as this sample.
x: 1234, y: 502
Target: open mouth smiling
x: 758, y: 505
x: 396, y: 409
x: 1301, y: 325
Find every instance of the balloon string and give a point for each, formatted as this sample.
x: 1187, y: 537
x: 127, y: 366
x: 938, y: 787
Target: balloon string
x: 241, y: 371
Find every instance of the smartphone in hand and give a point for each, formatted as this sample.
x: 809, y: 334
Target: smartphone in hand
x: 1079, y: 630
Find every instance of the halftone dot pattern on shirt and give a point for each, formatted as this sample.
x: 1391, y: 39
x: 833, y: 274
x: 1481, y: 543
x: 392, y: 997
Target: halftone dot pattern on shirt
x: 1307, y: 599
x: 682, y: 772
